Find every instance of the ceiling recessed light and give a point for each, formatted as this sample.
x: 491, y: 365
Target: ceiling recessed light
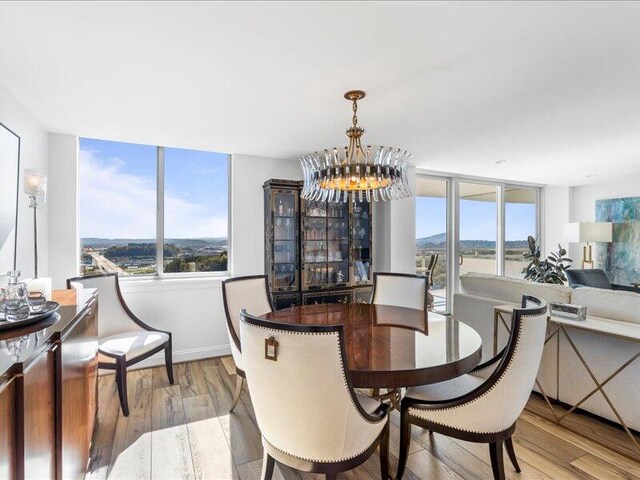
x: 501, y: 162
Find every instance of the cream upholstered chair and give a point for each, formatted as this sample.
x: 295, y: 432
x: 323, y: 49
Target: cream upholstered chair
x: 400, y: 290
x: 484, y: 405
x: 124, y: 339
x: 309, y: 415
x: 250, y: 293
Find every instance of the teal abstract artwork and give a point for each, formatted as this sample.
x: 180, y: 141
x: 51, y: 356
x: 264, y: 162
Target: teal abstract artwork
x: 620, y: 259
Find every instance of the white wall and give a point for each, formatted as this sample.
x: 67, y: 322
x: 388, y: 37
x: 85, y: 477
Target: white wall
x: 33, y: 154
x: 556, y: 210
x: 394, y: 233
x: 63, y: 208
x: 247, y: 227
x: 191, y: 308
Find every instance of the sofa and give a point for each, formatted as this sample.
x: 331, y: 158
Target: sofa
x: 561, y: 373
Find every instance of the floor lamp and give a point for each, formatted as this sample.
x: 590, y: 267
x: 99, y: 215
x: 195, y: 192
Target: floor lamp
x: 35, y: 186
x: 588, y: 232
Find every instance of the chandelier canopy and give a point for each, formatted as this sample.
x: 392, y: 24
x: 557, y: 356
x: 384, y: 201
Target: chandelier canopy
x: 371, y: 173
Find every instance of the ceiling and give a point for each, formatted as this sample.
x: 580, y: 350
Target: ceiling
x: 551, y: 90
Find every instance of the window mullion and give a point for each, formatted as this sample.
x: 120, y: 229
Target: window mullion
x: 160, y: 213
x: 500, y: 240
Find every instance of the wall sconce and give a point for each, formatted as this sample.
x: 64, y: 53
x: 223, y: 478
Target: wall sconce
x: 35, y: 185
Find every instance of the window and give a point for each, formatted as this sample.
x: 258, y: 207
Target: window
x: 520, y: 222
x: 478, y: 228
x: 431, y: 237
x: 146, y: 210
x: 490, y: 220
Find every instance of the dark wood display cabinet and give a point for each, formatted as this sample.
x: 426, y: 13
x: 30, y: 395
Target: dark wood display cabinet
x: 48, y: 392
x: 316, y: 251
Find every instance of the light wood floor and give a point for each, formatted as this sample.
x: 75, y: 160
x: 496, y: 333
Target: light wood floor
x: 185, y: 431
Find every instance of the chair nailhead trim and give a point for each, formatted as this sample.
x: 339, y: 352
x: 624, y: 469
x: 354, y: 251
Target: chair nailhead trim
x: 346, y: 385
x: 417, y: 408
x: 316, y: 460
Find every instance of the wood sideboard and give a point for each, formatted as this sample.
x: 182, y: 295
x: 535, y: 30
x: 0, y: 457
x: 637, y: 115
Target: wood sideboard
x: 48, y: 391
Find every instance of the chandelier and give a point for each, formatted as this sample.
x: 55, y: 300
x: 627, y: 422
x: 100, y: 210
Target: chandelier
x: 371, y: 173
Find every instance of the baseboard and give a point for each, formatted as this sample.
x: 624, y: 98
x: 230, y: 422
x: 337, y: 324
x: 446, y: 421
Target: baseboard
x: 181, y: 356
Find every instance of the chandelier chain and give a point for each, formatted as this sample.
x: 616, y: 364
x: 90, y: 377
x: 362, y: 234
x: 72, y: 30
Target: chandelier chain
x: 355, y: 112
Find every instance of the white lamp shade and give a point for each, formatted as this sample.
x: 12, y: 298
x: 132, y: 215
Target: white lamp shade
x: 583, y: 232
x: 35, y: 184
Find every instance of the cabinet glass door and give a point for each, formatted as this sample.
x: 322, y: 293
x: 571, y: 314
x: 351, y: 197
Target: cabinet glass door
x: 285, y: 249
x: 361, y: 242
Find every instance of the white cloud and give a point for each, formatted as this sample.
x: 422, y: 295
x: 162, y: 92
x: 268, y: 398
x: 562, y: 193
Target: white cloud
x: 117, y: 204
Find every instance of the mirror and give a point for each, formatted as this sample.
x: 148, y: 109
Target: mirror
x: 9, y: 181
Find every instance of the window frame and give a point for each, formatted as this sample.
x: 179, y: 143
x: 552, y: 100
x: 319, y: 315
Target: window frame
x: 160, y: 273
x: 160, y: 190
x: 453, y: 220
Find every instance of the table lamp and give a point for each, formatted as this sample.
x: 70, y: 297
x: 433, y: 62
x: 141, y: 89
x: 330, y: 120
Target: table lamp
x: 588, y: 232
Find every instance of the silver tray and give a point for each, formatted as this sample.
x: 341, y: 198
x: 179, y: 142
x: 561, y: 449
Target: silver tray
x: 49, y: 308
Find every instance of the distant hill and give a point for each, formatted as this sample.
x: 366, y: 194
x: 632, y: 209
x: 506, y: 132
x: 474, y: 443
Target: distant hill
x: 184, y: 242
x: 440, y: 239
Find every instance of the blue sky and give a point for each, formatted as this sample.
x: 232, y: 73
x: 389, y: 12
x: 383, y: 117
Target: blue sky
x: 118, y: 191
x: 478, y: 219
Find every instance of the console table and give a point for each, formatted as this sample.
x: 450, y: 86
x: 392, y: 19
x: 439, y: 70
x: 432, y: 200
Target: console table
x: 48, y: 391
x: 563, y: 326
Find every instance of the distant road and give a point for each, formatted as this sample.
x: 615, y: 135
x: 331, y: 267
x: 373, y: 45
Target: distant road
x: 105, y: 264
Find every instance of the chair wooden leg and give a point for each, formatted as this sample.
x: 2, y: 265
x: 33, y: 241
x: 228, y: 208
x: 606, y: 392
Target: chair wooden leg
x: 267, y: 466
x: 121, y: 381
x: 405, y: 439
x: 168, y: 360
x: 497, y: 461
x: 508, y: 443
x: 384, y: 452
x: 331, y: 476
x: 237, y: 392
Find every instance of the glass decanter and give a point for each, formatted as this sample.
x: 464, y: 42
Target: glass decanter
x: 14, y: 298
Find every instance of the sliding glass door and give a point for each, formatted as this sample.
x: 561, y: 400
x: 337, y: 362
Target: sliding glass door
x: 432, y: 237
x: 478, y: 227
x: 520, y: 222
x: 471, y: 226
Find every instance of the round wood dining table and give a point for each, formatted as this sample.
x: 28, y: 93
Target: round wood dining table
x: 394, y: 347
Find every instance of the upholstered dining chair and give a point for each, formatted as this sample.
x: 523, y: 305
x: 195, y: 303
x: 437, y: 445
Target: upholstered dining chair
x: 309, y: 415
x: 252, y: 294
x: 483, y: 406
x: 400, y: 290
x: 124, y: 339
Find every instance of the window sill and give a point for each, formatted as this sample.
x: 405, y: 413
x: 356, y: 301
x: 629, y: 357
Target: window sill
x: 173, y: 282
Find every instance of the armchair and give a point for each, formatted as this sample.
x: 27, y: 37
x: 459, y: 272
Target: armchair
x: 309, y: 415
x: 124, y: 339
x: 483, y: 406
x: 595, y: 278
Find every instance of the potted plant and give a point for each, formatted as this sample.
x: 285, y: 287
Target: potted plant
x: 548, y: 270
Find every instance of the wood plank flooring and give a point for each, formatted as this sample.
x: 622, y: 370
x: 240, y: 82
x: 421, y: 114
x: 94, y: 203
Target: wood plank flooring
x: 185, y: 431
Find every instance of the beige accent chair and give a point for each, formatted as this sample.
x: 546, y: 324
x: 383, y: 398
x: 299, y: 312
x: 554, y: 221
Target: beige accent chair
x: 250, y: 293
x: 400, y: 290
x: 309, y: 415
x: 124, y: 339
x: 483, y: 406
